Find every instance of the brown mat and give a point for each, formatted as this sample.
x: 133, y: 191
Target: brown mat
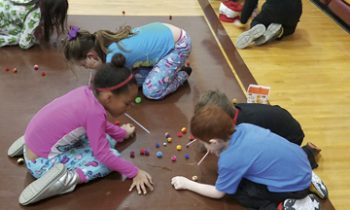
x: 24, y: 93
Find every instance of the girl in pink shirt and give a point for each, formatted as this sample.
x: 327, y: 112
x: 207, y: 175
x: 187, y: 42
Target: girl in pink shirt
x: 66, y: 142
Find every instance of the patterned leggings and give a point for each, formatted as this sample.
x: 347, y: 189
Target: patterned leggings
x: 165, y: 76
x: 79, y: 158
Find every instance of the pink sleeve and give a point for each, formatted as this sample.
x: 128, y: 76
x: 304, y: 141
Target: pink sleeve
x: 116, y: 132
x: 96, y: 132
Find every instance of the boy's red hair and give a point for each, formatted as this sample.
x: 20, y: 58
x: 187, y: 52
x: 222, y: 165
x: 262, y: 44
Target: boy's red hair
x: 211, y: 122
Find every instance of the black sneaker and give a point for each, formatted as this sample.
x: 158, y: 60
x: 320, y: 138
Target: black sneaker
x: 310, y: 202
x: 187, y: 69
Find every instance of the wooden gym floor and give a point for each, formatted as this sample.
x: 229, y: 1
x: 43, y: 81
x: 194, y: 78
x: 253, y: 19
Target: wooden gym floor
x: 307, y: 73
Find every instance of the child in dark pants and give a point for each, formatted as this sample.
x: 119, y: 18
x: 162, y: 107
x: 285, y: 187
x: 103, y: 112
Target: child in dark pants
x: 260, y: 169
x: 274, y: 118
x: 277, y: 19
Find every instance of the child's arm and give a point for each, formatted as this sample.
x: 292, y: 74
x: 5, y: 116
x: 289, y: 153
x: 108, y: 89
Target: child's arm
x: 248, y: 8
x: 182, y: 183
x: 117, y: 133
x: 26, y: 37
x: 120, y: 133
x: 96, y: 132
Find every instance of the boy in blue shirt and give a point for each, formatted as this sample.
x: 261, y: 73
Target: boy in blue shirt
x: 258, y: 168
x: 274, y: 118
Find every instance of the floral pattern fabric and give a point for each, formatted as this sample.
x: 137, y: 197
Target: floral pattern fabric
x: 18, y: 23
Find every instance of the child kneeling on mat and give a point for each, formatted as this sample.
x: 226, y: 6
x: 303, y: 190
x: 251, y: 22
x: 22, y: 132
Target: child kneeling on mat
x: 256, y: 167
x: 66, y: 142
x: 272, y: 117
x: 156, y: 52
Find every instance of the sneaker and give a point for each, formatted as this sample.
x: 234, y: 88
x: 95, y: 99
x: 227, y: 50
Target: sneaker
x: 247, y: 38
x: 318, y: 187
x: 230, y: 9
x: 310, y: 202
x: 16, y: 148
x: 187, y: 69
x: 272, y: 32
x: 58, y: 180
x: 226, y: 19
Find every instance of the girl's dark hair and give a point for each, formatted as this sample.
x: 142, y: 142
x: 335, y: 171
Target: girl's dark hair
x: 111, y: 74
x: 53, y: 15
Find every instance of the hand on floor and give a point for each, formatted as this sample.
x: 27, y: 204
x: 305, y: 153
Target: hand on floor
x: 180, y: 182
x: 130, y: 130
x: 141, y: 181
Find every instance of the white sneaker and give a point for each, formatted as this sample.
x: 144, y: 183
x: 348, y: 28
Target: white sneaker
x: 58, y: 180
x: 16, y: 148
x: 318, y: 187
x: 272, y: 32
x: 310, y: 202
x: 230, y: 9
x: 247, y: 38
